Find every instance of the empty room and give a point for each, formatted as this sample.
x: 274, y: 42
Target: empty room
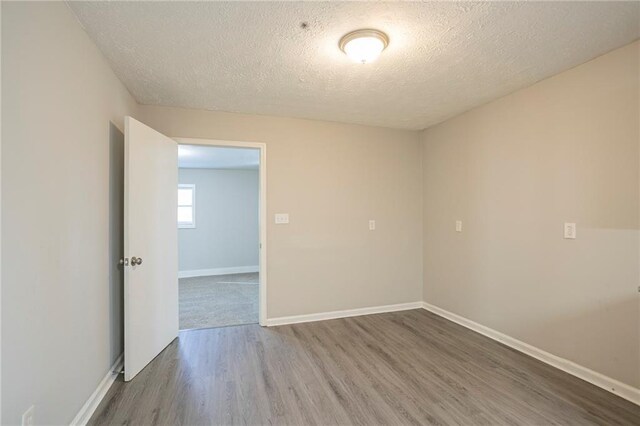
x: 320, y: 213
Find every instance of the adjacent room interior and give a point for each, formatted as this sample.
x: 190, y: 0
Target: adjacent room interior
x: 218, y: 236
x: 320, y: 213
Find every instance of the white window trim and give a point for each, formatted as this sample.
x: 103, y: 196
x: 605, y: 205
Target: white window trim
x: 192, y: 187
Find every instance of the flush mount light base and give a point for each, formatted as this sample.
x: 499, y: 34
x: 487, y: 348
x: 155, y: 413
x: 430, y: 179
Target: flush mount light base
x: 364, y: 45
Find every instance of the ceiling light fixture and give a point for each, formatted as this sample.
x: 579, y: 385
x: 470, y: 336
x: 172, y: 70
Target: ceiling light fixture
x: 364, y: 45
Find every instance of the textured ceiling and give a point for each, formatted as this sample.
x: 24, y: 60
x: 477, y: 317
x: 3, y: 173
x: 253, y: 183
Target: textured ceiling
x: 443, y: 58
x: 211, y: 157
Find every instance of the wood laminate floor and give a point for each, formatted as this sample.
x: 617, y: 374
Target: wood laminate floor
x: 409, y: 367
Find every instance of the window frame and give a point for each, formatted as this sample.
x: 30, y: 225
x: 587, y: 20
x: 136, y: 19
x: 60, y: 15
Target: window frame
x: 192, y: 224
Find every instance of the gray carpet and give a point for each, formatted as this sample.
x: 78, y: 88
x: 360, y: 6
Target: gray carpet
x: 218, y: 301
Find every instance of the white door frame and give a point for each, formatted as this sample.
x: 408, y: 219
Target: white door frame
x: 262, y: 207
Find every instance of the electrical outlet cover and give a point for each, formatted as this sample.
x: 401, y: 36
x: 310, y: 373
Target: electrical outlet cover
x: 570, y: 231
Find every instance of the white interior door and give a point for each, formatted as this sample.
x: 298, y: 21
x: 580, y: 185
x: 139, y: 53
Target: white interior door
x: 150, y: 245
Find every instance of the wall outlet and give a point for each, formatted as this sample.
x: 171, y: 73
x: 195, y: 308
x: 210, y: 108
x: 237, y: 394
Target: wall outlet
x: 372, y: 225
x: 458, y: 226
x: 282, y: 218
x: 28, y: 418
x: 570, y: 231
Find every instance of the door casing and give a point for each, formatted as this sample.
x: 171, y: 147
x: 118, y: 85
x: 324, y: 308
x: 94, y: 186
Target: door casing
x: 262, y: 208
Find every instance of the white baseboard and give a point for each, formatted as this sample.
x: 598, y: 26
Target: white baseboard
x: 94, y: 400
x: 342, y: 314
x: 607, y: 383
x: 218, y: 271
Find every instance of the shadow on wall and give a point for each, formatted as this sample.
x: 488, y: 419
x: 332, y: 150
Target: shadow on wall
x: 116, y: 242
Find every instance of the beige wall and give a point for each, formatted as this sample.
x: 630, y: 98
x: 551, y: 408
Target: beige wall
x: 331, y: 178
x: 61, y: 226
x: 563, y: 150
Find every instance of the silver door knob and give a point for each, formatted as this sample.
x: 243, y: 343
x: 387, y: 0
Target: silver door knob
x: 136, y: 260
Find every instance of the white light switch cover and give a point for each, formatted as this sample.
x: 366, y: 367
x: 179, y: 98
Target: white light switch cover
x: 570, y: 231
x: 282, y: 218
x: 372, y: 225
x: 458, y: 226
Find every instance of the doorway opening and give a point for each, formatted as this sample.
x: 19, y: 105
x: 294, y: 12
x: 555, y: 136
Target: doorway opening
x: 220, y: 233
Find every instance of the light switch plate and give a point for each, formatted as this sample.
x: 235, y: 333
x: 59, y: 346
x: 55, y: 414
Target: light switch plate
x: 282, y: 218
x: 570, y: 231
x: 458, y: 226
x: 372, y: 225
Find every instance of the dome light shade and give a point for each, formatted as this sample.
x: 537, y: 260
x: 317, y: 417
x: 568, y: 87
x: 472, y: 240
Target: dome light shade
x: 364, y: 46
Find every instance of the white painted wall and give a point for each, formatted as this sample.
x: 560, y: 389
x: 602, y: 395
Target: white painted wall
x: 61, y: 194
x: 226, y: 232
x: 564, y: 150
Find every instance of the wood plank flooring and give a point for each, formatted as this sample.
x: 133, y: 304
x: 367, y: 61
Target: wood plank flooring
x: 409, y: 367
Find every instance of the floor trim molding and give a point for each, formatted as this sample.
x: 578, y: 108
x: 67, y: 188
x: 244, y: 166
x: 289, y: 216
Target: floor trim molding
x: 218, y: 271
x: 607, y: 383
x: 96, y: 397
x: 321, y: 316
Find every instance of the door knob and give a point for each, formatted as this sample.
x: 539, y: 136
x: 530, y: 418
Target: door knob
x: 124, y: 261
x: 136, y: 260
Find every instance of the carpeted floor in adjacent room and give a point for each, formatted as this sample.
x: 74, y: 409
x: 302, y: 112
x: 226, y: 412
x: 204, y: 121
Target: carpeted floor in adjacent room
x: 218, y: 301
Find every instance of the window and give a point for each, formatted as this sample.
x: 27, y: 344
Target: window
x: 186, y: 206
